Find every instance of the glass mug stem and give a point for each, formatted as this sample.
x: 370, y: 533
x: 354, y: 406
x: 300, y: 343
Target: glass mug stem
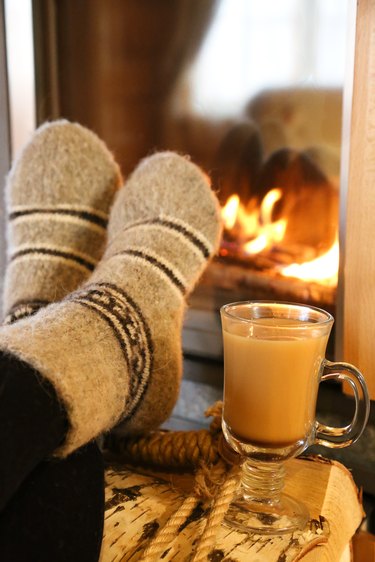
x: 339, y: 437
x: 262, y: 481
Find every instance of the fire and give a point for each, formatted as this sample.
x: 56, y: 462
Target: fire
x: 269, y: 232
x: 254, y: 231
x: 230, y: 211
x: 323, y: 269
x: 254, y: 226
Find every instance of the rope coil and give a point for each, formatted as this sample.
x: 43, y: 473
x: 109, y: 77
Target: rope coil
x: 216, y: 478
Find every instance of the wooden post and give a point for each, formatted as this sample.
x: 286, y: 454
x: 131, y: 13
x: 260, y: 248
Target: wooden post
x: 357, y: 291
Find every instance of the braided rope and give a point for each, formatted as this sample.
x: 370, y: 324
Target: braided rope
x: 216, y: 516
x: 167, y: 534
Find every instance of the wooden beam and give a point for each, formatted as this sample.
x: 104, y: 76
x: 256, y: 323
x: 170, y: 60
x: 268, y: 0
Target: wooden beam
x: 358, y: 210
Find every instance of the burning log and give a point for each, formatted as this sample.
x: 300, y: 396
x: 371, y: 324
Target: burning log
x: 228, y: 281
x: 238, y: 161
x: 269, y: 258
x: 309, y: 200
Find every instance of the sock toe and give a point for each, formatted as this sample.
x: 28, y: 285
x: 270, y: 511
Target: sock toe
x: 58, y: 195
x: 170, y: 197
x: 63, y: 163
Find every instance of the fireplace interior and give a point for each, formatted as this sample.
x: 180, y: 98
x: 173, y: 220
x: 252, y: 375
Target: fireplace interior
x: 280, y: 214
x: 252, y: 94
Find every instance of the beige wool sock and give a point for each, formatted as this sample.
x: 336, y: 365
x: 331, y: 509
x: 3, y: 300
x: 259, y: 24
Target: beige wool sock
x: 58, y: 195
x: 112, y: 349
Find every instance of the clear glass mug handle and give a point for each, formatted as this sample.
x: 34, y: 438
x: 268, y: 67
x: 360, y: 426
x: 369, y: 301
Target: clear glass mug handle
x: 343, y: 436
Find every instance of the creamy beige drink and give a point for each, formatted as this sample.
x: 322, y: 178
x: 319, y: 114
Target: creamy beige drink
x: 271, y: 381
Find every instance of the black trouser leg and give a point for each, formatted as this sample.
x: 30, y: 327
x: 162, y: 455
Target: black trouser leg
x: 50, y: 509
x: 57, y: 513
x: 33, y: 423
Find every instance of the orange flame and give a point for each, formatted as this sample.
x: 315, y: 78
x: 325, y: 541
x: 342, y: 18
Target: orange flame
x: 230, y: 211
x: 323, y: 269
x: 269, y: 232
x: 256, y: 224
x: 256, y: 231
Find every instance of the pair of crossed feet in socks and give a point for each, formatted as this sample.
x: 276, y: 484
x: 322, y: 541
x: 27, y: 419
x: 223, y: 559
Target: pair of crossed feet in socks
x: 92, y: 329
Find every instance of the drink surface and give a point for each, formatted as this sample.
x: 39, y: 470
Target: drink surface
x: 271, y: 381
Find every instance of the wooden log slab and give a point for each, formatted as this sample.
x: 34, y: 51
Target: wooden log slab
x: 138, y: 504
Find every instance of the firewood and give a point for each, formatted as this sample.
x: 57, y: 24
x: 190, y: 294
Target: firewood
x: 138, y: 504
x: 234, y: 282
x: 309, y: 201
x: 237, y: 162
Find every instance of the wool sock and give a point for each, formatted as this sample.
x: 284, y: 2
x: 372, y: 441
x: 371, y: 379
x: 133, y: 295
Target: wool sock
x: 112, y: 349
x: 58, y: 195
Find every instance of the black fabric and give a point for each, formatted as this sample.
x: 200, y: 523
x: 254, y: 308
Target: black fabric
x: 32, y: 423
x: 57, y: 513
x: 50, y: 509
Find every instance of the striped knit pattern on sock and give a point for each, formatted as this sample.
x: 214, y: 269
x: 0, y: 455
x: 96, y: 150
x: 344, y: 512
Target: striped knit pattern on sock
x: 131, y: 331
x: 164, y: 227
x: 112, y: 348
x: 23, y: 309
x: 58, y: 196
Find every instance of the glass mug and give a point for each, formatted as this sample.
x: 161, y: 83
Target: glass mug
x: 274, y: 360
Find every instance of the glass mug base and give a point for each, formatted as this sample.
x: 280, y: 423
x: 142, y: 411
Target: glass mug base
x: 284, y: 516
x: 260, y: 506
